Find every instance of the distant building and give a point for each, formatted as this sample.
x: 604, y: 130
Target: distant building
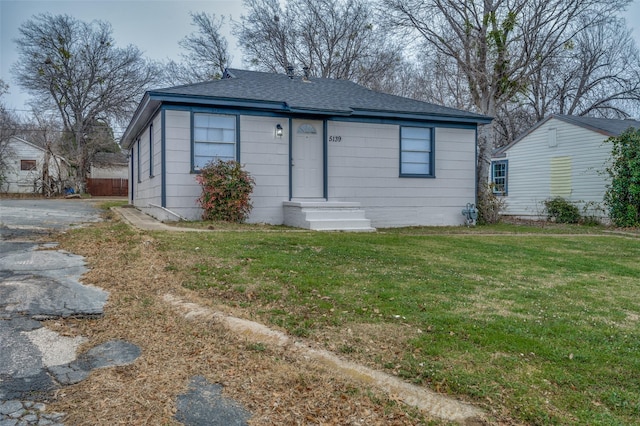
x: 561, y: 156
x: 30, y: 168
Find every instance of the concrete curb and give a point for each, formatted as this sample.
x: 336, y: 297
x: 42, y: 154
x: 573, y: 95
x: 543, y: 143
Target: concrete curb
x: 143, y: 221
x: 426, y: 400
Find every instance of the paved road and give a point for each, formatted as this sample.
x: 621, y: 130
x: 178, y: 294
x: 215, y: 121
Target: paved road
x: 37, y: 284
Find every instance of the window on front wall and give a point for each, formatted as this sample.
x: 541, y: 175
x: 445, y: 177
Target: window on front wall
x: 28, y: 165
x: 214, y: 137
x: 139, y: 162
x: 499, y: 175
x: 416, y: 151
x: 151, y: 150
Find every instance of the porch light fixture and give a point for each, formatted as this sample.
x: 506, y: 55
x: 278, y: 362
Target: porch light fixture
x: 278, y: 130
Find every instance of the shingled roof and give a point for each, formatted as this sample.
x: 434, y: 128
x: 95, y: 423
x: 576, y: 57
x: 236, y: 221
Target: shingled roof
x: 295, y: 94
x: 313, y: 94
x: 606, y: 126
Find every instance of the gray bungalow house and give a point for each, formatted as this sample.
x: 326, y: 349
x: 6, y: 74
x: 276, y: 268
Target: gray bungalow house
x: 325, y: 154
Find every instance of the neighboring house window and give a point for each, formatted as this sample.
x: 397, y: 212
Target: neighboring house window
x: 28, y: 165
x: 499, y: 171
x: 151, y: 150
x: 214, y: 137
x: 416, y: 152
x: 138, y: 158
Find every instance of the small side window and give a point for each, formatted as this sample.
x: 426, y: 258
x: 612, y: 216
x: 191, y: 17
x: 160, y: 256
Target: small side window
x: 499, y: 176
x: 139, y: 162
x: 28, y: 165
x: 151, y: 150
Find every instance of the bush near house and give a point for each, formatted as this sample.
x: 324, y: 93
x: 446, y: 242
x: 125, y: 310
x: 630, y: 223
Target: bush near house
x: 226, y: 191
x: 623, y: 194
x: 561, y: 211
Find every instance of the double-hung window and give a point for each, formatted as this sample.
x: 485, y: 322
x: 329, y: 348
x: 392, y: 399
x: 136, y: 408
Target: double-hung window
x: 214, y: 137
x: 151, y: 150
x: 416, y: 152
x: 139, y: 162
x: 499, y: 174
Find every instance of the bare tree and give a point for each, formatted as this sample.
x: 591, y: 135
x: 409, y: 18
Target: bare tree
x: 266, y: 35
x: 9, y: 127
x: 74, y: 68
x: 497, y: 44
x: 333, y: 38
x: 207, y: 52
x: 512, y: 120
x: 597, y: 73
x: 45, y: 131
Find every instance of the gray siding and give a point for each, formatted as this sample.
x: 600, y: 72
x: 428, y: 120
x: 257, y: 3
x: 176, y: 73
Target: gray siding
x: 182, y: 190
x: 266, y: 158
x: 364, y: 167
x: 147, y: 192
x: 532, y: 159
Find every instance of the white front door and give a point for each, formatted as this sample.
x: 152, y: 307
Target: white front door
x: 307, y: 171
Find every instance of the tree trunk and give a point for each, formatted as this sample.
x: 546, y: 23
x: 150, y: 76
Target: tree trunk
x: 486, y: 138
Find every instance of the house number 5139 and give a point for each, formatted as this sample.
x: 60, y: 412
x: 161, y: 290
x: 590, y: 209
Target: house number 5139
x: 335, y: 138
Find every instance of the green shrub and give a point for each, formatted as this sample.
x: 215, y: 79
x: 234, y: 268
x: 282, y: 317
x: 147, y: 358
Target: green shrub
x: 226, y: 191
x: 623, y: 193
x: 562, y: 211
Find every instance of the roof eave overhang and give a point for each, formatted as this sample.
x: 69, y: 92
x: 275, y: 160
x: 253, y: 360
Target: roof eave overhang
x: 321, y: 111
x: 222, y: 102
x: 153, y: 100
x: 140, y: 117
x: 255, y: 104
x: 424, y: 117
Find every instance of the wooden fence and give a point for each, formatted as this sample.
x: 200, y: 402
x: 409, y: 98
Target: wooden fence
x: 108, y: 187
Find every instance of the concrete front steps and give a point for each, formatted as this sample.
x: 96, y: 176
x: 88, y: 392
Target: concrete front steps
x: 326, y: 216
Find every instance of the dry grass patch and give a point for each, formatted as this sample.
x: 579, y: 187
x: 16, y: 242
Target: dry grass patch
x: 276, y: 387
x: 368, y: 344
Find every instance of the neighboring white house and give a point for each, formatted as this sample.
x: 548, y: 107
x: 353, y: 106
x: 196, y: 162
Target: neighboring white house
x: 25, y: 166
x: 325, y: 154
x: 561, y: 156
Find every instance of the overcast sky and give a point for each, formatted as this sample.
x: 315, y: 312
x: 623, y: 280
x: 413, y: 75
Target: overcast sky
x: 154, y: 26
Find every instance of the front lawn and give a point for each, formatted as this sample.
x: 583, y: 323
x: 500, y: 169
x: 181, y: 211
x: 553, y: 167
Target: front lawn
x: 535, y: 327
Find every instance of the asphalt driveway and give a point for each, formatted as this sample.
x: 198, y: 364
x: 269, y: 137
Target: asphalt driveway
x: 24, y: 219
x: 38, y: 282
